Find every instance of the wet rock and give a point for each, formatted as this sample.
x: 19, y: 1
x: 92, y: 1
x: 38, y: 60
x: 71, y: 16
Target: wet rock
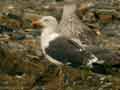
x: 4, y: 28
x: 14, y: 82
x: 105, y: 18
x: 85, y: 6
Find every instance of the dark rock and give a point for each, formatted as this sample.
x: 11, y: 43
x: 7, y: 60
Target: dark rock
x: 6, y: 29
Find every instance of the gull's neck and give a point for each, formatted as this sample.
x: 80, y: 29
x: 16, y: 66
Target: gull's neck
x: 48, y: 31
x: 47, y: 35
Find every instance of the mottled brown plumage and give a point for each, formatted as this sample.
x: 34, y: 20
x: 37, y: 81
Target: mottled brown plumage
x: 71, y: 26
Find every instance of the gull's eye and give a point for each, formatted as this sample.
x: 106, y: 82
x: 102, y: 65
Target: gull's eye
x: 46, y: 20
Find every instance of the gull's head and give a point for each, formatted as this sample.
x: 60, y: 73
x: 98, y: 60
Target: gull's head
x: 45, y: 22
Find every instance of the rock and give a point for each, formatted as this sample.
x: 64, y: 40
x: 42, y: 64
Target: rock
x: 13, y: 82
x: 16, y: 24
x: 31, y: 16
x: 28, y: 30
x: 98, y: 32
x: 13, y: 16
x: 4, y: 28
x: 17, y: 37
x: 105, y: 18
x: 31, y: 42
x: 85, y: 6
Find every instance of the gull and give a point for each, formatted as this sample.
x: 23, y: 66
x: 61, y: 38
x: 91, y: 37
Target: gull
x: 59, y: 49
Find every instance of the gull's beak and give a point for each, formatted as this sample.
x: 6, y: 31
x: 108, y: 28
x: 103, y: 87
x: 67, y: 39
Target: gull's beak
x: 37, y: 24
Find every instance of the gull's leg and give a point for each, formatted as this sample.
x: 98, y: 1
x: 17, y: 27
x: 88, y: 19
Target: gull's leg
x: 60, y: 75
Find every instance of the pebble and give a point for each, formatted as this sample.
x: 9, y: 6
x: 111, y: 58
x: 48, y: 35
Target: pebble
x: 105, y: 18
x: 85, y: 6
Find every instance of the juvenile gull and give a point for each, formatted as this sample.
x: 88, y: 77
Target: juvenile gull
x: 72, y: 27
x: 59, y: 49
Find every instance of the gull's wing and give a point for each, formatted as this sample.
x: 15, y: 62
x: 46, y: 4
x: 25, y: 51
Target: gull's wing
x: 69, y: 52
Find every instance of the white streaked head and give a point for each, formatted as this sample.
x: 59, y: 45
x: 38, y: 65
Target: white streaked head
x: 46, y: 22
x: 49, y: 26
